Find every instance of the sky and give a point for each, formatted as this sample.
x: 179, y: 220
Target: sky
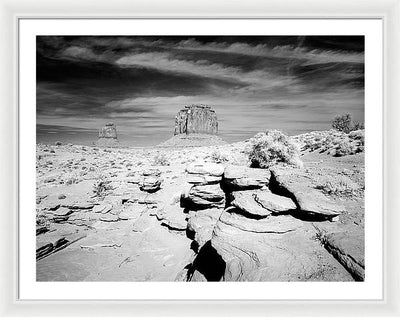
x: 295, y: 84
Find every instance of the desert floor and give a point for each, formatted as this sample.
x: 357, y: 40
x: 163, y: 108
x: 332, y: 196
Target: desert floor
x: 101, y: 217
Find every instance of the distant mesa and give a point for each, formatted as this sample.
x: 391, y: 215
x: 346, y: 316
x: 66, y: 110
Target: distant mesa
x: 109, y: 131
x: 195, y: 125
x: 196, y: 119
x: 108, y: 136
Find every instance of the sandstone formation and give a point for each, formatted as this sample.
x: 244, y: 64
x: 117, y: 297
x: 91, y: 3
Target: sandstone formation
x: 244, y: 200
x: 204, y: 173
x: 196, y: 119
x: 309, y: 201
x: 204, y: 217
x: 201, y: 224
x: 211, y: 169
x: 109, y: 131
x: 205, y: 196
x: 150, y: 181
x: 108, y: 136
x: 172, y: 216
x: 242, y: 177
x: 263, y: 250
x: 348, y: 248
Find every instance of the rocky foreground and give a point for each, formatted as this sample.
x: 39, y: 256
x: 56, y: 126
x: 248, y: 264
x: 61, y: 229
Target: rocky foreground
x: 198, y: 214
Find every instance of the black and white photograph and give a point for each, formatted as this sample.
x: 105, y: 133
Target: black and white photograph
x: 200, y: 158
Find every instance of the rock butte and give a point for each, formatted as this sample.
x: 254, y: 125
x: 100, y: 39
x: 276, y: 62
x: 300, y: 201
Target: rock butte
x: 108, y: 135
x: 196, y: 119
x: 195, y: 126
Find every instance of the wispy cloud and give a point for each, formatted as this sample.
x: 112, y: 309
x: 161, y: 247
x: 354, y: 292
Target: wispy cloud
x: 167, y: 62
x: 309, y: 57
x: 253, y: 83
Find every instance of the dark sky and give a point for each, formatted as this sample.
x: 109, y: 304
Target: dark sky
x: 291, y: 83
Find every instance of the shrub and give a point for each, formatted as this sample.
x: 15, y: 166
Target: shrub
x: 332, y: 142
x: 271, y: 148
x: 320, y: 236
x: 42, y: 220
x: 338, y: 186
x: 217, y: 157
x: 72, y: 179
x: 344, y: 123
x: 358, y: 135
x: 102, y: 187
x: 345, y: 147
x: 358, y: 126
x: 160, y: 160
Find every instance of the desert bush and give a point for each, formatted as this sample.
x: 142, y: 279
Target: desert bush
x: 42, y: 220
x: 320, y: 236
x: 72, y: 179
x: 271, y: 148
x: 102, y: 186
x: 160, y: 159
x: 332, y: 142
x: 217, y: 157
x: 344, y: 123
x: 338, y: 186
x: 345, y: 147
x: 58, y: 143
x: 358, y: 126
x: 358, y: 135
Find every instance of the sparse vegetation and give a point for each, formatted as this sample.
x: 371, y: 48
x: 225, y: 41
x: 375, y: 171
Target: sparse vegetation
x: 271, y: 148
x: 358, y: 135
x: 333, y: 142
x: 320, y: 236
x: 160, y: 159
x: 102, y: 187
x: 344, y: 123
x: 338, y: 186
x: 72, y: 179
x: 345, y: 147
x: 42, y: 220
x: 217, y: 157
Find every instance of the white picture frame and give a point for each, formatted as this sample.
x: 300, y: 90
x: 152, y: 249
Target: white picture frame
x: 12, y: 11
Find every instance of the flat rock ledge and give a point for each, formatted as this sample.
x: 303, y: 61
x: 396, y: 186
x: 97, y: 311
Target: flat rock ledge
x: 243, y: 178
x: 296, y: 185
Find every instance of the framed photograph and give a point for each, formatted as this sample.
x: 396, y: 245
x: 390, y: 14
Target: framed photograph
x: 221, y: 159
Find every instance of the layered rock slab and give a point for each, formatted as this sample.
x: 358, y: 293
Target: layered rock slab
x: 348, y: 248
x: 204, y: 173
x: 204, y: 197
x: 211, y: 169
x: 201, y: 224
x: 244, y: 178
x: 244, y: 200
x: 173, y: 217
x: 150, y: 181
x: 276, y: 204
x: 296, y: 185
x: 282, y: 250
x: 261, y: 203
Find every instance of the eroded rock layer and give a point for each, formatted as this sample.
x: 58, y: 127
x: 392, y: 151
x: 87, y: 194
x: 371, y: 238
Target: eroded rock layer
x: 196, y: 119
x: 108, y: 136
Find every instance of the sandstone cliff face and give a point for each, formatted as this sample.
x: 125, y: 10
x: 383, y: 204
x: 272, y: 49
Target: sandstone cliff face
x: 109, y: 131
x: 108, y: 136
x: 196, y: 119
